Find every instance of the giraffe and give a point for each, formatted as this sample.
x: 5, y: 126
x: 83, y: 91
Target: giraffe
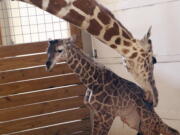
x: 107, y: 94
x: 92, y: 17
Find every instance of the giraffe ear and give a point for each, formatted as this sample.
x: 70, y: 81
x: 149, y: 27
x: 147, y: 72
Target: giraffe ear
x: 147, y: 36
x: 149, y: 32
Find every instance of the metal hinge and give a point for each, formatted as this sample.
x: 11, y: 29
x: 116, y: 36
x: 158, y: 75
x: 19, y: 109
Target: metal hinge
x: 95, y: 53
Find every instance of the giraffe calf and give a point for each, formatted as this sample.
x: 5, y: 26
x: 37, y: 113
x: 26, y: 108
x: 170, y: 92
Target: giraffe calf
x: 108, y: 95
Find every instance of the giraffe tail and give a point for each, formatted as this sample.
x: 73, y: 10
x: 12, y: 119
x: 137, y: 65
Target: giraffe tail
x: 155, y: 93
x: 156, y: 96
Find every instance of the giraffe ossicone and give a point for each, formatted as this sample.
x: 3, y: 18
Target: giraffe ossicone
x: 89, y: 15
x: 108, y: 95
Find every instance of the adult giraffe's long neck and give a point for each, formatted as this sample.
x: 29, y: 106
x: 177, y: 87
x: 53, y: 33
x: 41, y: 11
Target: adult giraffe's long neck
x: 92, y: 17
x: 98, y: 21
x: 89, y: 72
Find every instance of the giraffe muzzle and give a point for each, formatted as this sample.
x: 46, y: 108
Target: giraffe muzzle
x: 48, y: 65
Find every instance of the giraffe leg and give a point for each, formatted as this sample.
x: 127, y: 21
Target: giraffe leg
x: 101, y: 126
x: 92, y: 119
x: 145, y: 129
x: 151, y: 133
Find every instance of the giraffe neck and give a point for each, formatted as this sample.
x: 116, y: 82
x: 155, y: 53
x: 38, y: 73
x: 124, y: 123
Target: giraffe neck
x: 89, y: 72
x: 92, y: 17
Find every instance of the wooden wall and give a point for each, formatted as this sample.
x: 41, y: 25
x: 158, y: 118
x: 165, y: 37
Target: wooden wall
x: 36, y: 102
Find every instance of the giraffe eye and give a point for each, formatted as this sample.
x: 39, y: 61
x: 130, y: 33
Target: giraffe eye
x: 149, y: 41
x: 154, y: 61
x: 59, y: 51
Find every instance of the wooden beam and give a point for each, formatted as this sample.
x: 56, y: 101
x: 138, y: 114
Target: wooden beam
x: 40, y: 108
x: 43, y: 120
x: 23, y: 62
x: 33, y: 85
x: 73, y: 128
x: 23, y: 49
x: 41, y: 96
x: 32, y: 73
x: 77, y: 32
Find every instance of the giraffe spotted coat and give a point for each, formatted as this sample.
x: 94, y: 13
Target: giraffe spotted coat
x: 89, y: 15
x: 108, y: 95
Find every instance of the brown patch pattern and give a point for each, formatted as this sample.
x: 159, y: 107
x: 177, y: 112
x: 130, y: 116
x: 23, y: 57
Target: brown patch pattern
x: 37, y: 3
x: 111, y: 32
x: 73, y: 66
x: 125, y: 51
x: 94, y: 27
x: 141, y: 50
x: 113, y: 46
x: 126, y: 43
x: 104, y: 17
x: 134, y: 55
x: 134, y: 40
x: 108, y: 100
x: 118, y: 41
x: 105, y: 10
x: 55, y: 6
x: 74, y: 18
x: 87, y: 6
x: 125, y: 35
x: 143, y: 54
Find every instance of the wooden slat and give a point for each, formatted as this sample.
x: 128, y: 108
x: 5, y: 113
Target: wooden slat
x: 22, y: 62
x: 41, y: 108
x: 31, y: 73
x: 30, y: 98
x: 65, y: 129
x: 29, y: 48
x: 44, y: 120
x: 32, y: 85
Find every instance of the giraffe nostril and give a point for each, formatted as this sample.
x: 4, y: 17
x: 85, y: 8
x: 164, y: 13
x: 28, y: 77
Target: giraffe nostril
x: 48, y: 65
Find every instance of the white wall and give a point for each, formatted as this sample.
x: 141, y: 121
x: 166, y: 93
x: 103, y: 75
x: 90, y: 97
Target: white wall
x: 137, y: 16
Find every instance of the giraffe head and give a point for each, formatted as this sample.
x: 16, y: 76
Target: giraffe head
x: 141, y: 65
x: 56, y: 51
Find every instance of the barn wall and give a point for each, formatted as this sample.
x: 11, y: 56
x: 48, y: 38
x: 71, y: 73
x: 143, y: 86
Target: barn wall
x: 163, y: 16
x: 36, y: 102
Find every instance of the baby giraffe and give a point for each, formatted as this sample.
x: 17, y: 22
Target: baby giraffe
x: 108, y: 95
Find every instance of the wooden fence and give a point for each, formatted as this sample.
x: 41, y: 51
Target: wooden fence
x: 36, y: 102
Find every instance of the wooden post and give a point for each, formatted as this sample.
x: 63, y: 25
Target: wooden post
x: 77, y: 32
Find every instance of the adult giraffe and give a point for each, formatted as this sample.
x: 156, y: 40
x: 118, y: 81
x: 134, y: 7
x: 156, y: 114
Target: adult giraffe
x: 89, y: 15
